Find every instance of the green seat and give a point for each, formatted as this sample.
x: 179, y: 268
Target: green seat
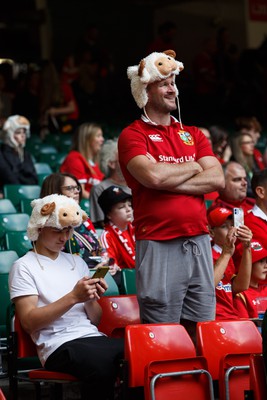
x: 17, y: 192
x: 85, y: 205
x: 18, y: 242
x: 7, y: 207
x: 53, y: 159
x: 42, y: 168
x: 25, y: 206
x: 113, y: 289
x: 47, y: 149
x: 7, y: 259
x: 128, y: 284
x: 5, y: 300
x: 41, y: 178
x: 12, y: 222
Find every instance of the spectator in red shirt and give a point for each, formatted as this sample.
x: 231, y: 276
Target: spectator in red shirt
x: 234, y: 193
x: 118, y: 235
x: 82, y: 160
x: 227, y: 283
x: 256, y: 219
x: 248, y: 303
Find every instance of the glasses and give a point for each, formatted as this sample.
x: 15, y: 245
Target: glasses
x: 71, y: 188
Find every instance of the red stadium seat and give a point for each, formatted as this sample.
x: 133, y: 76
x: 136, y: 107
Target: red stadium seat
x: 227, y: 346
x: 118, y: 312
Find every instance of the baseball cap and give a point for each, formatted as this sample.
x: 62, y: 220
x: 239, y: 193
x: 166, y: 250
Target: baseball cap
x: 110, y: 196
x: 217, y: 216
x: 258, y: 252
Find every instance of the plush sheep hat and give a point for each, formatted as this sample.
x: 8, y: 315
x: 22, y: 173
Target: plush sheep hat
x: 13, y: 123
x: 57, y: 211
x: 154, y: 67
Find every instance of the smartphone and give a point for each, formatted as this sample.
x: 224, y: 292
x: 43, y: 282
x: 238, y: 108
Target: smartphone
x: 238, y: 217
x: 100, y: 272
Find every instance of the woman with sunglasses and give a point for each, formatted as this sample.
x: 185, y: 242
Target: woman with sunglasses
x: 84, y: 240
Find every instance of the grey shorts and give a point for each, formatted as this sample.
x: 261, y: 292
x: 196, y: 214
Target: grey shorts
x: 175, y: 279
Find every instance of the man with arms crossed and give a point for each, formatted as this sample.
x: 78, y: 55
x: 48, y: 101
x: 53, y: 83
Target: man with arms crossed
x: 169, y: 167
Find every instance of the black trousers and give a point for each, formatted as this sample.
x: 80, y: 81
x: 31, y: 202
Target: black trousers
x: 94, y: 360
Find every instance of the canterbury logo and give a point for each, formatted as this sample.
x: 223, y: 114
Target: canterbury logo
x: 155, y: 138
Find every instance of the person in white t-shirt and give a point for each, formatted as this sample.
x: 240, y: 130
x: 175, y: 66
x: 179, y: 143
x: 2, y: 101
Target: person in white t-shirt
x: 57, y: 302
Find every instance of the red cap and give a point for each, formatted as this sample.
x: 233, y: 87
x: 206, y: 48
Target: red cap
x: 258, y: 252
x: 217, y: 216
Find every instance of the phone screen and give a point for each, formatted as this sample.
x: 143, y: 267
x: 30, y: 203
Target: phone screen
x: 238, y: 217
x: 100, y: 272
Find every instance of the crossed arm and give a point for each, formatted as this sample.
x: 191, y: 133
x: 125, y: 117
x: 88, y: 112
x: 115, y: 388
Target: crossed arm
x: 192, y: 177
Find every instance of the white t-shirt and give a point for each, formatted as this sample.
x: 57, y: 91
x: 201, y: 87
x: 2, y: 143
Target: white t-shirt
x: 50, y: 282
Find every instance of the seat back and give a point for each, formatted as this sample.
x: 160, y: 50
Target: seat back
x: 85, y: 205
x: 17, y: 192
x: 113, y: 289
x: 42, y: 168
x: 5, y: 300
x: 7, y: 258
x: 128, y: 285
x: 215, y: 339
x: 12, y: 222
x: 7, y: 207
x: 25, y: 345
x: 53, y: 159
x: 18, y: 241
x: 182, y: 378
x: 25, y: 206
x: 24, y: 364
x: 149, y: 342
x: 258, y: 377
x: 117, y: 313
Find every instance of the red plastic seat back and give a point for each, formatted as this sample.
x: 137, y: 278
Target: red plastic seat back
x: 258, y: 377
x: 2, y: 396
x: 118, y: 312
x: 149, y: 342
x: 215, y: 339
x: 234, y: 376
x: 25, y: 345
x: 178, y: 382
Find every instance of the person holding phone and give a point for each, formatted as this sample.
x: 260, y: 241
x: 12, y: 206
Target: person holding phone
x: 229, y: 278
x: 57, y: 301
x: 169, y: 167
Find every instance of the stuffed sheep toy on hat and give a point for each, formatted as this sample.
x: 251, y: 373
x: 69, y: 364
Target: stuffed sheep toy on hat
x: 154, y: 67
x: 57, y: 211
x: 13, y: 123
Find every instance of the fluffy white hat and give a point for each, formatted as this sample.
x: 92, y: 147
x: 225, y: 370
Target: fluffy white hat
x: 13, y: 123
x: 154, y: 67
x: 57, y: 211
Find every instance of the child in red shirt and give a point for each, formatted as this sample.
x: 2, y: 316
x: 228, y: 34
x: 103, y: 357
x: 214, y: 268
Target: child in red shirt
x: 248, y: 303
x: 118, y: 235
x: 227, y: 284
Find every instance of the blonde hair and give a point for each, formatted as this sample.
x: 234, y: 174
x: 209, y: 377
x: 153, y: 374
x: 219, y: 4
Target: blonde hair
x: 246, y: 161
x: 82, y: 141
